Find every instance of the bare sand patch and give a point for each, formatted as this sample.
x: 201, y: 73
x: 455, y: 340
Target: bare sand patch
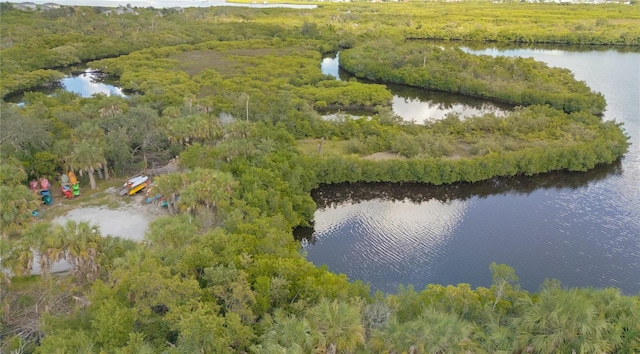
x: 129, y: 220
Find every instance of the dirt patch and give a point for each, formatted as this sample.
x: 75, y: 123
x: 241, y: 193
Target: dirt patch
x: 380, y: 156
x: 129, y: 220
x: 127, y: 217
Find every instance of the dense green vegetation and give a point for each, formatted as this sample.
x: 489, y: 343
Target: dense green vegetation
x: 520, y: 81
x: 70, y: 35
x: 234, y: 92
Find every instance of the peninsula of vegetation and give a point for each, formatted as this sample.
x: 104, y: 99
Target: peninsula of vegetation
x: 236, y: 93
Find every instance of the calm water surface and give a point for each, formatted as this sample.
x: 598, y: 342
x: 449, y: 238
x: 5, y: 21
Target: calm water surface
x: 580, y: 228
x: 419, y: 106
x: 89, y: 83
x: 85, y: 83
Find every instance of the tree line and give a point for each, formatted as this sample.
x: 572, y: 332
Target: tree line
x: 520, y: 81
x: 71, y: 35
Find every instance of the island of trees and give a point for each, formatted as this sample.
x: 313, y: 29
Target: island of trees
x: 236, y: 94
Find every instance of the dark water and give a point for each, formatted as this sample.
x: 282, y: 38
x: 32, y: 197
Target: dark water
x: 418, y: 105
x: 580, y: 228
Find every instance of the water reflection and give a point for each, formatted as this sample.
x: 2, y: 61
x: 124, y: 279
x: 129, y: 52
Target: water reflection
x: 392, y: 234
x: 383, y: 254
x: 419, y: 105
x: 330, y: 66
x: 346, y: 193
x: 84, y: 82
x: 519, y: 48
x: 89, y: 83
x: 580, y: 228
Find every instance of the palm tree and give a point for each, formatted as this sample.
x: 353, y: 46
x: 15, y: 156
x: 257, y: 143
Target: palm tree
x: 337, y: 325
x: 433, y: 332
x: 17, y: 258
x: 271, y: 348
x: 87, y: 156
x: 393, y: 338
x: 90, y: 132
x: 563, y: 321
x: 206, y: 193
x: 447, y: 333
x: 46, y: 243
x: 6, y: 247
x: 494, y: 337
x: 18, y: 201
x: 195, y: 127
x: 622, y: 312
x: 169, y: 186
x: 83, y: 242
x: 288, y: 331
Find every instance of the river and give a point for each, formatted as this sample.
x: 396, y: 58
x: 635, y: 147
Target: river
x: 580, y: 228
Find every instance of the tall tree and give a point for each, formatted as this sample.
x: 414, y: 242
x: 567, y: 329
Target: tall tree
x: 87, y: 157
x: 89, y: 132
x: 504, y: 280
x: 22, y: 132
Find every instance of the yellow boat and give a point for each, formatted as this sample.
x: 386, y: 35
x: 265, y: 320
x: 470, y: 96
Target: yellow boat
x: 135, y: 184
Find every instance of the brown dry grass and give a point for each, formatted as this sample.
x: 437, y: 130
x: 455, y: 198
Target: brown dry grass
x: 339, y: 147
x: 226, y: 63
x: 384, y: 155
x: 329, y: 147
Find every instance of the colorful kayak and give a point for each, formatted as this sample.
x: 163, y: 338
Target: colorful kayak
x: 69, y: 185
x: 135, y: 184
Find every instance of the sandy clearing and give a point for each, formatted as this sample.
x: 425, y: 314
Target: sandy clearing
x: 129, y: 220
x: 126, y: 224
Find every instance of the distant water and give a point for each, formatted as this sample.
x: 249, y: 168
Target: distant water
x: 159, y: 4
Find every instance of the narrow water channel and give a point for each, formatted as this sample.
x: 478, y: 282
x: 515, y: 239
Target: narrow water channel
x: 420, y: 106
